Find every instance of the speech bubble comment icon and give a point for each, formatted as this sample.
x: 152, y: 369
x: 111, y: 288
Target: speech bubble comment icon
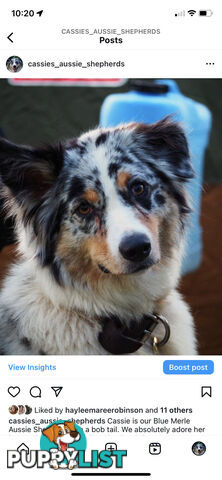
x: 35, y: 392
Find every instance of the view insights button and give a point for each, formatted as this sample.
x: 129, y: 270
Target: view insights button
x: 188, y: 367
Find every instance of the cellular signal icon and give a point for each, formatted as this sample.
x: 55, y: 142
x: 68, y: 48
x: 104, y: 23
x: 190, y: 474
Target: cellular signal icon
x: 180, y: 14
x: 191, y: 12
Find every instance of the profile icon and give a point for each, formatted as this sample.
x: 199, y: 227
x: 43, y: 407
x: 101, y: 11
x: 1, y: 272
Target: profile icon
x: 28, y: 409
x: 13, y: 409
x: 14, y: 64
x: 21, y: 409
x: 199, y: 448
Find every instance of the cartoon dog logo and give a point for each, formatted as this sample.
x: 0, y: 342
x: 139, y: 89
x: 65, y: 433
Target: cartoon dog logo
x: 62, y: 435
x: 14, y: 64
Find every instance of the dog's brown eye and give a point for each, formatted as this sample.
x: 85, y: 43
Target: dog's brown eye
x: 137, y: 189
x: 84, y: 209
x: 60, y: 432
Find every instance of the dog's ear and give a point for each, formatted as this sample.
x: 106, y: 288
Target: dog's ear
x: 70, y: 425
x: 29, y: 172
x: 51, y: 432
x: 165, y: 143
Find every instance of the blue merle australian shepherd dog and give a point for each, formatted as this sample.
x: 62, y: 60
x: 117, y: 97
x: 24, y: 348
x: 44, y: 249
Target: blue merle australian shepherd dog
x: 100, y: 223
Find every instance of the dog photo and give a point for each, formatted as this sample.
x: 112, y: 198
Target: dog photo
x: 100, y: 221
x: 14, y: 64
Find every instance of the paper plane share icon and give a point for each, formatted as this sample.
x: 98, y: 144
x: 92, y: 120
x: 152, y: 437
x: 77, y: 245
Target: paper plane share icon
x: 57, y: 390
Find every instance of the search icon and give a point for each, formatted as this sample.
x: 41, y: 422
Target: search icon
x: 35, y: 392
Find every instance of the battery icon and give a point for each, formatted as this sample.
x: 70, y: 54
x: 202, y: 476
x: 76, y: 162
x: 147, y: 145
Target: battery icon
x: 205, y: 13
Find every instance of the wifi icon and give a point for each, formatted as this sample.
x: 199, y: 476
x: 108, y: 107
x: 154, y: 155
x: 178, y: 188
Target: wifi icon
x: 191, y: 12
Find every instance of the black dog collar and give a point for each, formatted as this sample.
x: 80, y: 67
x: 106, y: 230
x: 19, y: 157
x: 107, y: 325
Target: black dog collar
x: 119, y: 339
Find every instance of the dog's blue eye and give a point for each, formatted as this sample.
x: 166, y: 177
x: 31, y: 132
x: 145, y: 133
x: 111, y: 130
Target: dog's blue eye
x: 138, y: 189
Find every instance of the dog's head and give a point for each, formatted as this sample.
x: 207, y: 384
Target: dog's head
x: 14, y: 64
x: 111, y: 202
x: 62, y: 434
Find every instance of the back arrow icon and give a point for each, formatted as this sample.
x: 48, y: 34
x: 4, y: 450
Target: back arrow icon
x: 9, y: 37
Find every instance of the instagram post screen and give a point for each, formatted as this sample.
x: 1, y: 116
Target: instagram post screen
x: 110, y: 240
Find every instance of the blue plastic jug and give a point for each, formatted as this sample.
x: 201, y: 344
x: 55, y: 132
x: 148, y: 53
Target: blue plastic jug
x: 149, y: 102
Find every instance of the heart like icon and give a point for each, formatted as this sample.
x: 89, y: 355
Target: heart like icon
x: 13, y: 391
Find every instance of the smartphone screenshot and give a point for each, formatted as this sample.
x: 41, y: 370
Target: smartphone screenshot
x: 110, y: 239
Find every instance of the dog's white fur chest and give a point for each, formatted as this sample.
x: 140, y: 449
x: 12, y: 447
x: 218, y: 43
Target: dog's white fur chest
x: 60, y: 321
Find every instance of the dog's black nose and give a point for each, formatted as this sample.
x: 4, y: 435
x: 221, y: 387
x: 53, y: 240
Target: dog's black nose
x: 74, y: 433
x: 135, y: 247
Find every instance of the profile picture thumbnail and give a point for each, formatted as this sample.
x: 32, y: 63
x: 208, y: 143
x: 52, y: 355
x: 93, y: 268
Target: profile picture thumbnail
x: 13, y: 409
x: 14, y: 64
x: 20, y: 409
x: 199, y: 448
x: 28, y: 409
